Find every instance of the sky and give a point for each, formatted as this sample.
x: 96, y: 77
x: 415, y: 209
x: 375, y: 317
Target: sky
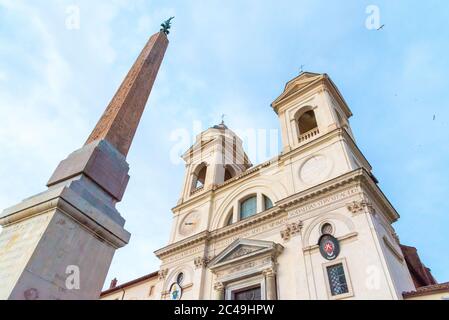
x: 62, y: 61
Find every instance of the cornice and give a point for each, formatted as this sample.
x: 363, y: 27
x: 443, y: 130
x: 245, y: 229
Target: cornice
x: 338, y: 132
x: 321, y: 189
x: 288, y: 96
x: 359, y: 177
x: 320, y: 80
x: 201, y: 237
x: 207, y: 236
x: 348, y: 138
x: 247, y: 223
x: 60, y: 200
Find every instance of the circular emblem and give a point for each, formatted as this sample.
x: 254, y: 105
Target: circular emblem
x: 175, y: 292
x: 329, y: 247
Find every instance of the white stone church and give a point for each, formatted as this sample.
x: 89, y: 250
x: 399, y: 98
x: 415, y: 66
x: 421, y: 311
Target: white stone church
x: 311, y: 223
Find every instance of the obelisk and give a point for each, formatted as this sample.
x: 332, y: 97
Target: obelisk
x: 59, y: 244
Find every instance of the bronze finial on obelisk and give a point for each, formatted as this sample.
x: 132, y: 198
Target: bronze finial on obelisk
x: 59, y: 244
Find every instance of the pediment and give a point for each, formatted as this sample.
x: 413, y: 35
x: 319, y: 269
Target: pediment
x: 242, y: 249
x: 297, y: 84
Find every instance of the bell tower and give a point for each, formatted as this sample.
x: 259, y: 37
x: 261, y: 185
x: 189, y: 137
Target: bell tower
x: 310, y: 106
x: 312, y: 112
x: 216, y: 156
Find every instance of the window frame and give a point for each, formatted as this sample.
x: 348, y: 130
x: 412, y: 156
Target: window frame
x: 182, y: 275
x: 298, y: 122
x: 350, y: 292
x: 296, y: 115
x: 331, y: 224
x: 195, y: 177
x: 243, y: 200
x: 252, y: 281
x: 265, y: 198
x: 230, y: 218
x: 228, y: 168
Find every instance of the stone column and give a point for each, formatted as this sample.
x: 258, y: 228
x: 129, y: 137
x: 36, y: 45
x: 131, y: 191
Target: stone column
x: 219, y: 291
x: 270, y: 283
x: 260, y: 203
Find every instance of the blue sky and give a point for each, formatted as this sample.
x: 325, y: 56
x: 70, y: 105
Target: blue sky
x: 231, y: 59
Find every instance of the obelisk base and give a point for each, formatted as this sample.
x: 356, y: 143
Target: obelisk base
x: 59, y: 244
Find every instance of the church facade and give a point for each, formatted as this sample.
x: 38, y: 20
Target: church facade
x: 311, y: 223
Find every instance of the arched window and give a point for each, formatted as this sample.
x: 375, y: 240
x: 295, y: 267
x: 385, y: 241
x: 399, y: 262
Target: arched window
x: 307, y: 122
x: 268, y: 204
x: 230, y: 218
x: 180, y: 278
x: 248, y: 207
x: 199, y: 177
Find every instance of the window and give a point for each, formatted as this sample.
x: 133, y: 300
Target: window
x: 327, y: 229
x: 268, y: 204
x: 180, y: 278
x: 252, y: 293
x: 307, y: 122
x: 229, y: 173
x: 230, y: 218
x: 150, y: 293
x: 248, y: 288
x: 248, y: 207
x: 199, y: 177
x: 337, y: 279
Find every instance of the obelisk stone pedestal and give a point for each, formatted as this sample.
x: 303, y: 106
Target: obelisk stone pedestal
x: 59, y: 244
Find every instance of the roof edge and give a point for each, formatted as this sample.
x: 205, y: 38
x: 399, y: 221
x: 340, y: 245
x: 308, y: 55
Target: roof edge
x: 129, y: 283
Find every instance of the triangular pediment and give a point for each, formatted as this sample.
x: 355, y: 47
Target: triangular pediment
x: 242, y: 249
x: 299, y: 83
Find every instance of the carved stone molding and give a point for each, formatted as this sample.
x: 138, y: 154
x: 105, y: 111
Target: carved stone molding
x: 358, y: 207
x: 200, y: 262
x: 269, y: 272
x: 163, y: 274
x: 218, y: 286
x: 242, y: 251
x: 291, y: 229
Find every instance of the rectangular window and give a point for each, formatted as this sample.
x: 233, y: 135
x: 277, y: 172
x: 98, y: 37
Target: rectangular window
x: 337, y: 279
